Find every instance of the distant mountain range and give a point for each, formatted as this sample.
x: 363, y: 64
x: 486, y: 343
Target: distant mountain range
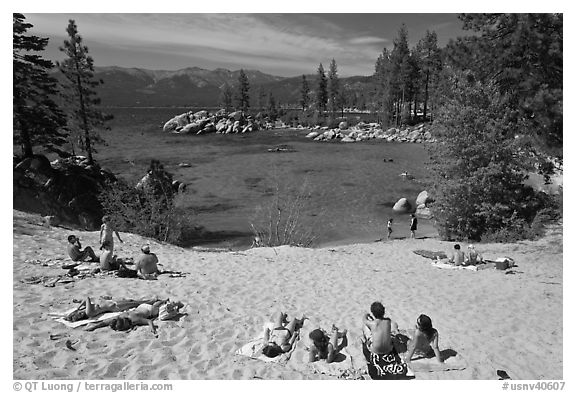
x: 197, y: 87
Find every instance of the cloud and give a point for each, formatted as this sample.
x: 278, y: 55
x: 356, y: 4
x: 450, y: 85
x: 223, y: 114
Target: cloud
x: 367, y: 40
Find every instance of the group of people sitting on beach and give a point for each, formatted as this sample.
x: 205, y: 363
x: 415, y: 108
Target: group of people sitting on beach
x: 146, y: 265
x: 459, y: 258
x: 381, y: 337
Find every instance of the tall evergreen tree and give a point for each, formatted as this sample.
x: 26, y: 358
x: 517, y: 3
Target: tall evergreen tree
x: 272, y: 108
x: 383, y: 94
x: 430, y: 61
x: 523, y: 55
x: 333, y: 88
x: 242, y: 95
x: 321, y: 89
x: 78, y: 68
x: 304, y: 94
x: 226, y: 97
x: 400, y: 73
x: 37, y: 118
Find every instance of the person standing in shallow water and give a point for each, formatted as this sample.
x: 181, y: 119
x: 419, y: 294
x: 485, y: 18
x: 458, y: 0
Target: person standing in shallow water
x: 389, y: 228
x: 413, y: 226
x: 107, y: 234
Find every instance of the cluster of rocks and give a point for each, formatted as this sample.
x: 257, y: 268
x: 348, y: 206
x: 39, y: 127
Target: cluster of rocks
x: 365, y: 131
x: 203, y: 122
x: 65, y: 190
x: 422, y: 205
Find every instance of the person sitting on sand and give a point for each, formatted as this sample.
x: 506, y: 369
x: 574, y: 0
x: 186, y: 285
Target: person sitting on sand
x: 107, y: 233
x: 282, y: 336
x: 457, y: 257
x: 324, y: 346
x: 147, y: 264
x: 379, y: 331
x: 142, y: 315
x: 87, y: 309
x: 425, y: 340
x: 107, y: 260
x: 76, y: 253
x: 473, y: 257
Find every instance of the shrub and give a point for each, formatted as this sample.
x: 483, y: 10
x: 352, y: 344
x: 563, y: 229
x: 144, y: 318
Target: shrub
x: 281, y: 221
x: 148, y: 209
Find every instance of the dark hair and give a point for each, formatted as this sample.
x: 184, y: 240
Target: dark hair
x: 272, y: 350
x: 319, y: 338
x: 456, y: 246
x: 377, y: 310
x: 425, y: 326
x: 121, y: 324
x: 76, y: 315
x: 71, y: 237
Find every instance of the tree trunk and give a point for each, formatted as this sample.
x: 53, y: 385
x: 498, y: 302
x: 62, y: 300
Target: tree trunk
x: 26, y: 143
x: 426, y: 94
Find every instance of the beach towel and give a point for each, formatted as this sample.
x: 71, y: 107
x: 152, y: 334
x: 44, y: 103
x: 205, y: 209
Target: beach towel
x: 431, y: 254
x: 253, y: 349
x: 59, y: 317
x: 424, y: 364
x: 390, y: 366
x: 449, y: 266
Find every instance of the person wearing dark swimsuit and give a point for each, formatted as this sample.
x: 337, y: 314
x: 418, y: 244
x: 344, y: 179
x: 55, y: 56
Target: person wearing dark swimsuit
x: 282, y: 336
x: 413, y: 226
x: 324, y: 346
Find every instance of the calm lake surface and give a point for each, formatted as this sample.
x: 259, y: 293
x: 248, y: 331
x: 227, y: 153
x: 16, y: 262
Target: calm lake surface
x: 233, y: 178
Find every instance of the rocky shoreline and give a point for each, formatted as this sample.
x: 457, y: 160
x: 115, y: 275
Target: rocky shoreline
x: 202, y: 122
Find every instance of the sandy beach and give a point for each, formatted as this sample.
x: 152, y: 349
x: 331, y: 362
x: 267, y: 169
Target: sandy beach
x: 491, y: 319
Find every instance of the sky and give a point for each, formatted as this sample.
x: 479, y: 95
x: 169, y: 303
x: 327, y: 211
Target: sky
x: 288, y: 44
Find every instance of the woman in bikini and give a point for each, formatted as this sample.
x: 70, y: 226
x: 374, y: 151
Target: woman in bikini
x: 142, y: 315
x: 282, y: 336
x: 87, y: 309
x: 324, y: 346
x: 425, y: 340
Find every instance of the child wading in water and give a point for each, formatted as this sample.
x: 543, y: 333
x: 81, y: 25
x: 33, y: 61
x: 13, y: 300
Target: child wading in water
x: 106, y: 235
x: 389, y: 226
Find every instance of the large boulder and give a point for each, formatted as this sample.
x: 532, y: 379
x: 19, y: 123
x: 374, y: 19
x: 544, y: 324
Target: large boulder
x: 423, y: 198
x: 343, y: 125
x: 313, y: 134
x: 402, y: 206
x: 200, y: 115
x: 236, y: 116
x: 424, y: 212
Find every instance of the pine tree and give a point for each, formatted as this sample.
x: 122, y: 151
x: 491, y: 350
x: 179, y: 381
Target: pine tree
x: 37, y: 118
x: 226, y: 97
x: 333, y: 88
x: 383, y: 75
x: 242, y: 96
x: 272, y: 108
x: 321, y: 91
x: 430, y: 61
x: 304, y: 94
x: 85, y: 114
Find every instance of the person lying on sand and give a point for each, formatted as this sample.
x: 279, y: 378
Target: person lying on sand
x: 425, y: 340
x: 380, y: 329
x: 282, y: 336
x: 76, y: 253
x: 142, y: 315
x: 324, y: 346
x: 147, y: 264
x: 87, y: 309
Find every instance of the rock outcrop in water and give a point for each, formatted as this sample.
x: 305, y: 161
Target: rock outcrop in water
x: 366, y: 131
x: 203, y: 122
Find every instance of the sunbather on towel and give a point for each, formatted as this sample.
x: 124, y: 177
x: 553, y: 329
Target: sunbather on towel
x: 324, y: 346
x: 473, y: 257
x: 457, y: 257
x: 425, y: 340
x: 380, y: 329
x: 87, y: 309
x: 142, y: 315
x: 147, y: 264
x: 282, y: 336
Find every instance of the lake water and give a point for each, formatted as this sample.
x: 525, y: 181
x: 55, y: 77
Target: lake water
x: 351, y: 187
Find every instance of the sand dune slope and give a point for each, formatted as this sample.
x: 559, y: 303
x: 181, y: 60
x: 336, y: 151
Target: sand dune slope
x: 491, y: 319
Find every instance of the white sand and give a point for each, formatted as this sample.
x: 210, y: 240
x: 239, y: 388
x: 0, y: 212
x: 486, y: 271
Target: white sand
x: 491, y: 319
